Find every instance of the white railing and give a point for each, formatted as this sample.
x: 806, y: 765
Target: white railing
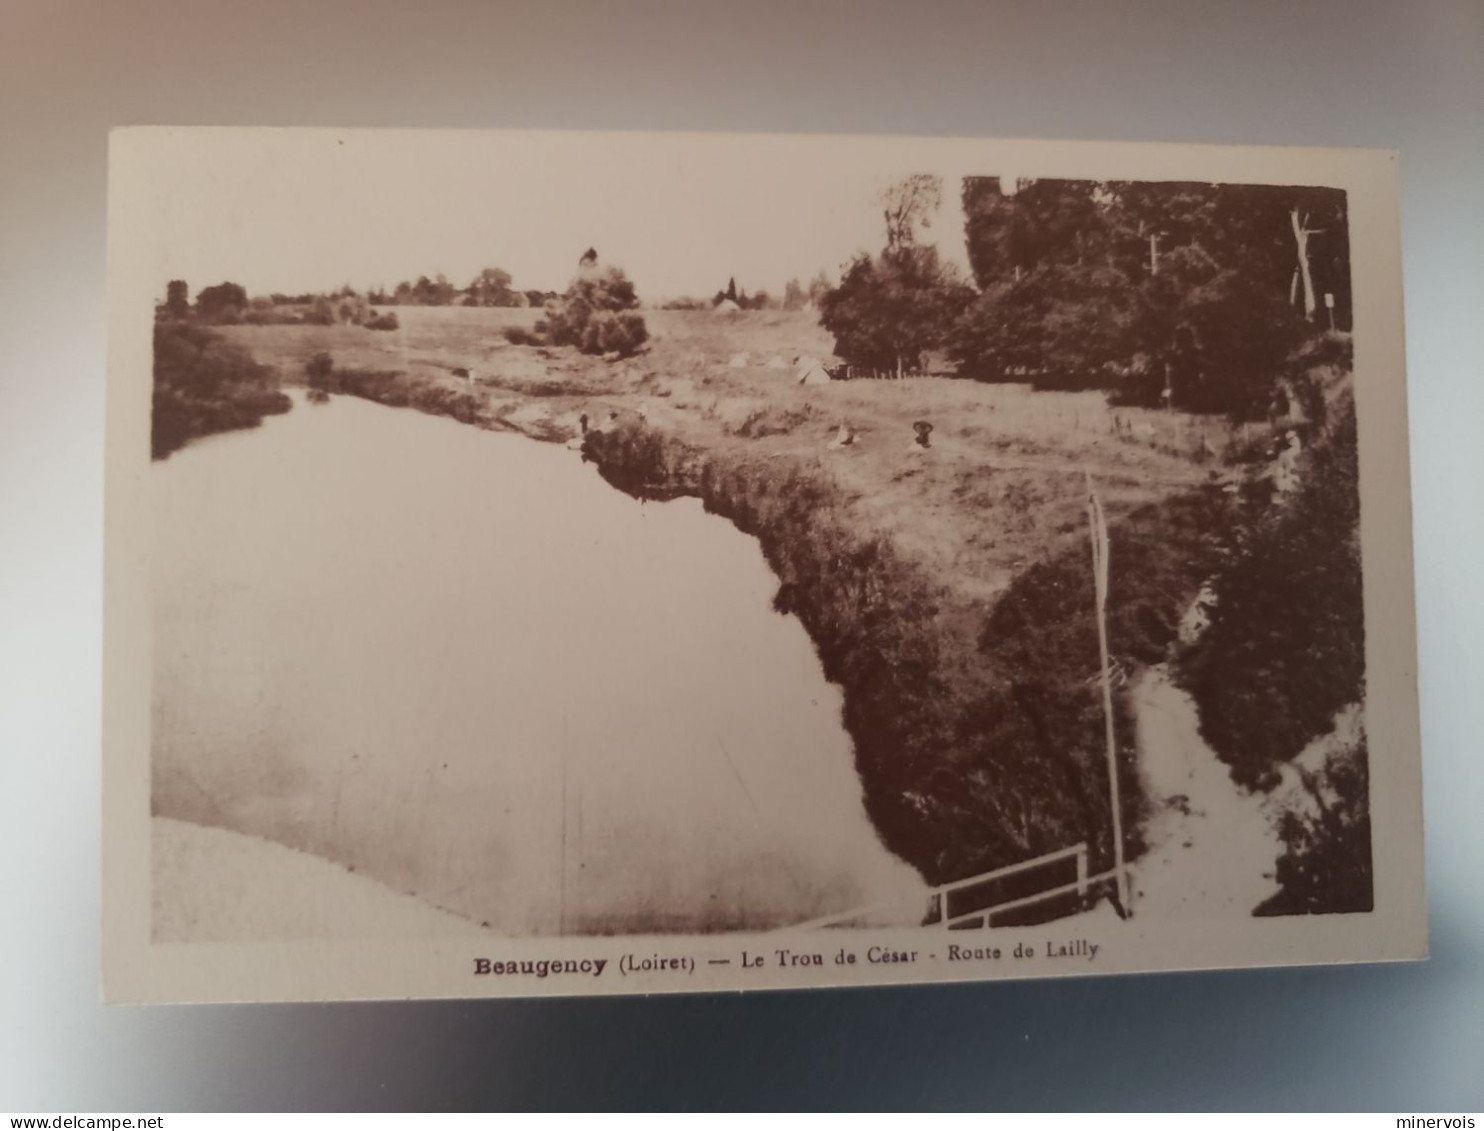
x: 942, y: 894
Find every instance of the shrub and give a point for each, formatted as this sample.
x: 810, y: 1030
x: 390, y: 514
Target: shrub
x: 1285, y: 649
x: 318, y: 369
x: 205, y: 384
x: 620, y: 332
x: 387, y: 321
x: 1326, y: 864
x: 597, y: 314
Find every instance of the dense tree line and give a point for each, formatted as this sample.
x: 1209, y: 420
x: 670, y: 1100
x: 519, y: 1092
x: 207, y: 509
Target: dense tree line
x: 1190, y: 294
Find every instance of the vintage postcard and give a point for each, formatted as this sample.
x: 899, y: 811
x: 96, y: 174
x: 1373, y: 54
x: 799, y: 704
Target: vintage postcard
x: 588, y: 563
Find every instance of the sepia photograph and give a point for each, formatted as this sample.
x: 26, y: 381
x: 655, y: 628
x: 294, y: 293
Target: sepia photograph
x: 726, y: 561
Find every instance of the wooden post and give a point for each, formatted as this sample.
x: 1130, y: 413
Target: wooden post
x: 1082, y: 869
x: 1099, y: 525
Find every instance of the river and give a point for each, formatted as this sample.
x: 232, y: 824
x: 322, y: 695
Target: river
x: 459, y: 663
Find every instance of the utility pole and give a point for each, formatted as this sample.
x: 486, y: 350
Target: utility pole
x: 1099, y: 525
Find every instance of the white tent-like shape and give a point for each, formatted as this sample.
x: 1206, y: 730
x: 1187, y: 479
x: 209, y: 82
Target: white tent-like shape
x: 726, y: 306
x: 811, y: 372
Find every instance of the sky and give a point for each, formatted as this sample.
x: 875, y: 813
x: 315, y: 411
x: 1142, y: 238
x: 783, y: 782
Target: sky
x: 309, y: 210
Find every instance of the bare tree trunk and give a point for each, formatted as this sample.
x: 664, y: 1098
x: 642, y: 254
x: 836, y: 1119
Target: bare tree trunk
x: 1301, y: 234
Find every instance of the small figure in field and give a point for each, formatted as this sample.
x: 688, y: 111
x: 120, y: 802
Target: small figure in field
x: 643, y: 412
x: 924, y: 432
x: 582, y: 423
x: 844, y: 437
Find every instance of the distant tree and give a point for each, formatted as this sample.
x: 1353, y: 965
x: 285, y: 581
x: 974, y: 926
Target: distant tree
x: 321, y: 311
x: 909, y: 205
x: 819, y: 286
x: 731, y: 292
x: 890, y: 309
x: 794, y: 296
x: 177, y: 299
x: 224, y: 302
x: 491, y: 287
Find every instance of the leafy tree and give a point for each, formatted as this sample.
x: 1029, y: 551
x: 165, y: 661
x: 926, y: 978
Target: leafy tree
x: 794, y: 295
x: 819, y: 286
x: 731, y: 292
x: 890, y: 309
x: 224, y: 302
x: 1061, y: 326
x: 1326, y: 865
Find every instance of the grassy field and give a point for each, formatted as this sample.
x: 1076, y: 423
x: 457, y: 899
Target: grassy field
x: 948, y: 589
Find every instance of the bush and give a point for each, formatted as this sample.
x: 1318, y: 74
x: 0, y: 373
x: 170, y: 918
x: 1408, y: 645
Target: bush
x: 1285, y: 649
x: 318, y: 369
x: 321, y: 312
x: 888, y: 311
x: 205, y: 384
x: 387, y: 321
x: 1326, y: 864
x: 597, y: 314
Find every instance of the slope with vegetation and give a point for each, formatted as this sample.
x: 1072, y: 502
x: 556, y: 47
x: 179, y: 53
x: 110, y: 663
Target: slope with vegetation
x: 205, y: 384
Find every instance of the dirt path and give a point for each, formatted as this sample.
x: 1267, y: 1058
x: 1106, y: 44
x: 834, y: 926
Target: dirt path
x: 1212, y: 846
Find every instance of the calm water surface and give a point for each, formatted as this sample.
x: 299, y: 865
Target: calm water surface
x: 459, y: 662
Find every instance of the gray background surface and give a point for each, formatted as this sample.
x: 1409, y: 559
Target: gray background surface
x: 1408, y: 76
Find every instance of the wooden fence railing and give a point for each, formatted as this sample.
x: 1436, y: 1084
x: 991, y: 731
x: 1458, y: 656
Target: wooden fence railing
x: 979, y: 900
